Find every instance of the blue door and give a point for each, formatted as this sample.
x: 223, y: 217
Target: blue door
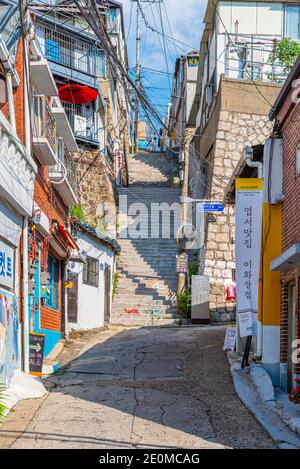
x: 51, y: 337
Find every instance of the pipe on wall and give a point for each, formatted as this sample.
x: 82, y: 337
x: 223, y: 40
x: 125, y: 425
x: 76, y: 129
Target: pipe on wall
x: 11, y: 105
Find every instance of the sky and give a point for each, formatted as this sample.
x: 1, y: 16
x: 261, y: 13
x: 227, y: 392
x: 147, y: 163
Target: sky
x: 182, y: 20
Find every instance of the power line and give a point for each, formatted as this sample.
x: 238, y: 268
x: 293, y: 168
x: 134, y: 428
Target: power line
x: 232, y: 42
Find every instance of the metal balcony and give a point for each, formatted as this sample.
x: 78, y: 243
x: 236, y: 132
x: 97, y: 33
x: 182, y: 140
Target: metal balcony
x: 70, y: 51
x: 44, y: 131
x: 63, y: 175
x: 250, y: 57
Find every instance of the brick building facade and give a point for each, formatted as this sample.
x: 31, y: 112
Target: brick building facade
x: 286, y: 114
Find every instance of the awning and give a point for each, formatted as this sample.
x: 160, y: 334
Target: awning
x: 67, y: 237
x: 288, y: 260
x: 77, y: 94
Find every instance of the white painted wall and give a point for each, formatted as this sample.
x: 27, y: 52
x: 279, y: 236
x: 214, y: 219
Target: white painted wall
x: 184, y: 90
x: 91, y: 299
x: 263, y: 20
x: 252, y: 17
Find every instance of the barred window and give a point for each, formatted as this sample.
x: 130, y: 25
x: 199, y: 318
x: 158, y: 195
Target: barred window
x: 91, y: 272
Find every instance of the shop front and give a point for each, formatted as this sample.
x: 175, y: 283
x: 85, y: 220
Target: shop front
x: 16, y: 198
x: 9, y: 320
x: 48, y: 252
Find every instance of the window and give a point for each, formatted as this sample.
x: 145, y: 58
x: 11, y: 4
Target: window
x: 91, y: 272
x: 298, y: 159
x: 292, y: 21
x: 53, y: 270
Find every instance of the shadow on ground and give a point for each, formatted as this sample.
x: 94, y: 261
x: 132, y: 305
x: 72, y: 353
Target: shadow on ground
x: 147, y: 387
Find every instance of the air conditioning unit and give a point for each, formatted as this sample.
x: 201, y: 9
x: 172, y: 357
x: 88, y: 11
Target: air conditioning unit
x: 80, y: 125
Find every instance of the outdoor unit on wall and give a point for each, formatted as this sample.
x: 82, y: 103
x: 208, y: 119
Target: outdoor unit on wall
x: 80, y: 125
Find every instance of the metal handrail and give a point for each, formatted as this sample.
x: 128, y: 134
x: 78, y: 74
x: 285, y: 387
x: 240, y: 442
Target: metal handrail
x: 71, y: 52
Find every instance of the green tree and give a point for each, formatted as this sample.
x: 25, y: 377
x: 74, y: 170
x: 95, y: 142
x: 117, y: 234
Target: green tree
x: 78, y: 213
x: 286, y: 52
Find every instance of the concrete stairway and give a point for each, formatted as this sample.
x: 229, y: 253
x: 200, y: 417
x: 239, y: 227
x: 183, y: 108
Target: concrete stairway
x: 146, y: 293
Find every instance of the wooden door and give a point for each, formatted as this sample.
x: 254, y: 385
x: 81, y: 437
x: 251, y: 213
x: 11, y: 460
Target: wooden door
x: 73, y: 298
x: 107, y: 288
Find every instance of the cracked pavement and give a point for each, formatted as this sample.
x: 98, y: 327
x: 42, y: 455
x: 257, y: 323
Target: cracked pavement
x: 143, y: 388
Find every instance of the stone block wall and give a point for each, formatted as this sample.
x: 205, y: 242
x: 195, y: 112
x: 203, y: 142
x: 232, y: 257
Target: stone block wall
x: 96, y: 191
x: 234, y: 131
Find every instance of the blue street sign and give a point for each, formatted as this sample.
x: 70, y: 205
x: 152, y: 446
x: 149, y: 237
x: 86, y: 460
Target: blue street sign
x: 210, y: 207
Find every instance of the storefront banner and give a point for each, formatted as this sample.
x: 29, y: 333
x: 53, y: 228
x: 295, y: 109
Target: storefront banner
x: 7, y: 267
x: 247, y: 251
x: 9, y: 325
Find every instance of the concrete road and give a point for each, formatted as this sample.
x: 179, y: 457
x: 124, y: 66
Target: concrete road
x: 145, y: 388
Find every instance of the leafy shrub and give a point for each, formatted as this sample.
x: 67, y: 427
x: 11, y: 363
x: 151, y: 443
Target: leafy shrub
x: 286, y: 52
x: 184, y: 300
x: 78, y: 213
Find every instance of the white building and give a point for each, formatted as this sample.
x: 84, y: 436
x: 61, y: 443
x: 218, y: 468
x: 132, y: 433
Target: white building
x: 17, y: 174
x: 238, y: 41
x: 183, y: 93
x: 92, y: 278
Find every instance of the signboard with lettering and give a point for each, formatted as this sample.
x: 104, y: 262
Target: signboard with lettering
x: 230, y: 338
x: 7, y: 266
x: 211, y: 207
x: 247, y: 251
x: 182, y: 263
x: 193, y: 61
x: 36, y: 353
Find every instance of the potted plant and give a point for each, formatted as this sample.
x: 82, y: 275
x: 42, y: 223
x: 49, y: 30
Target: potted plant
x: 294, y: 396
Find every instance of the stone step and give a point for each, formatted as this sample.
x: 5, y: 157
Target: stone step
x: 146, y: 292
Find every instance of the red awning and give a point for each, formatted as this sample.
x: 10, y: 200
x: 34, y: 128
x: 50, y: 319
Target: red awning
x: 77, y: 94
x: 68, y: 237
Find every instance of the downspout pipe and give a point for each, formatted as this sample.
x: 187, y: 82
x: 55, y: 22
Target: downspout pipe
x: 25, y: 220
x: 11, y: 106
x: 248, y: 156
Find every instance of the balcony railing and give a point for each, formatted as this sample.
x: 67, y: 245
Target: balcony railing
x: 251, y: 57
x: 43, y: 121
x: 63, y: 174
x: 65, y: 163
x: 70, y: 51
x: 83, y: 121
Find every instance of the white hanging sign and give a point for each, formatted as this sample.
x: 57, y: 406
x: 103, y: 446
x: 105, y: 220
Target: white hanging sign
x: 247, y: 252
x: 230, y: 338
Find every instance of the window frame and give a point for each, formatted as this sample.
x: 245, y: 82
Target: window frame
x: 53, y: 301
x: 286, y: 6
x: 86, y: 272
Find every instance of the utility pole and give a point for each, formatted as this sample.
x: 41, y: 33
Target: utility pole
x: 184, y: 206
x: 138, y: 68
x: 137, y: 78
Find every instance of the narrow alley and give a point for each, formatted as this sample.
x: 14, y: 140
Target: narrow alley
x: 141, y: 388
